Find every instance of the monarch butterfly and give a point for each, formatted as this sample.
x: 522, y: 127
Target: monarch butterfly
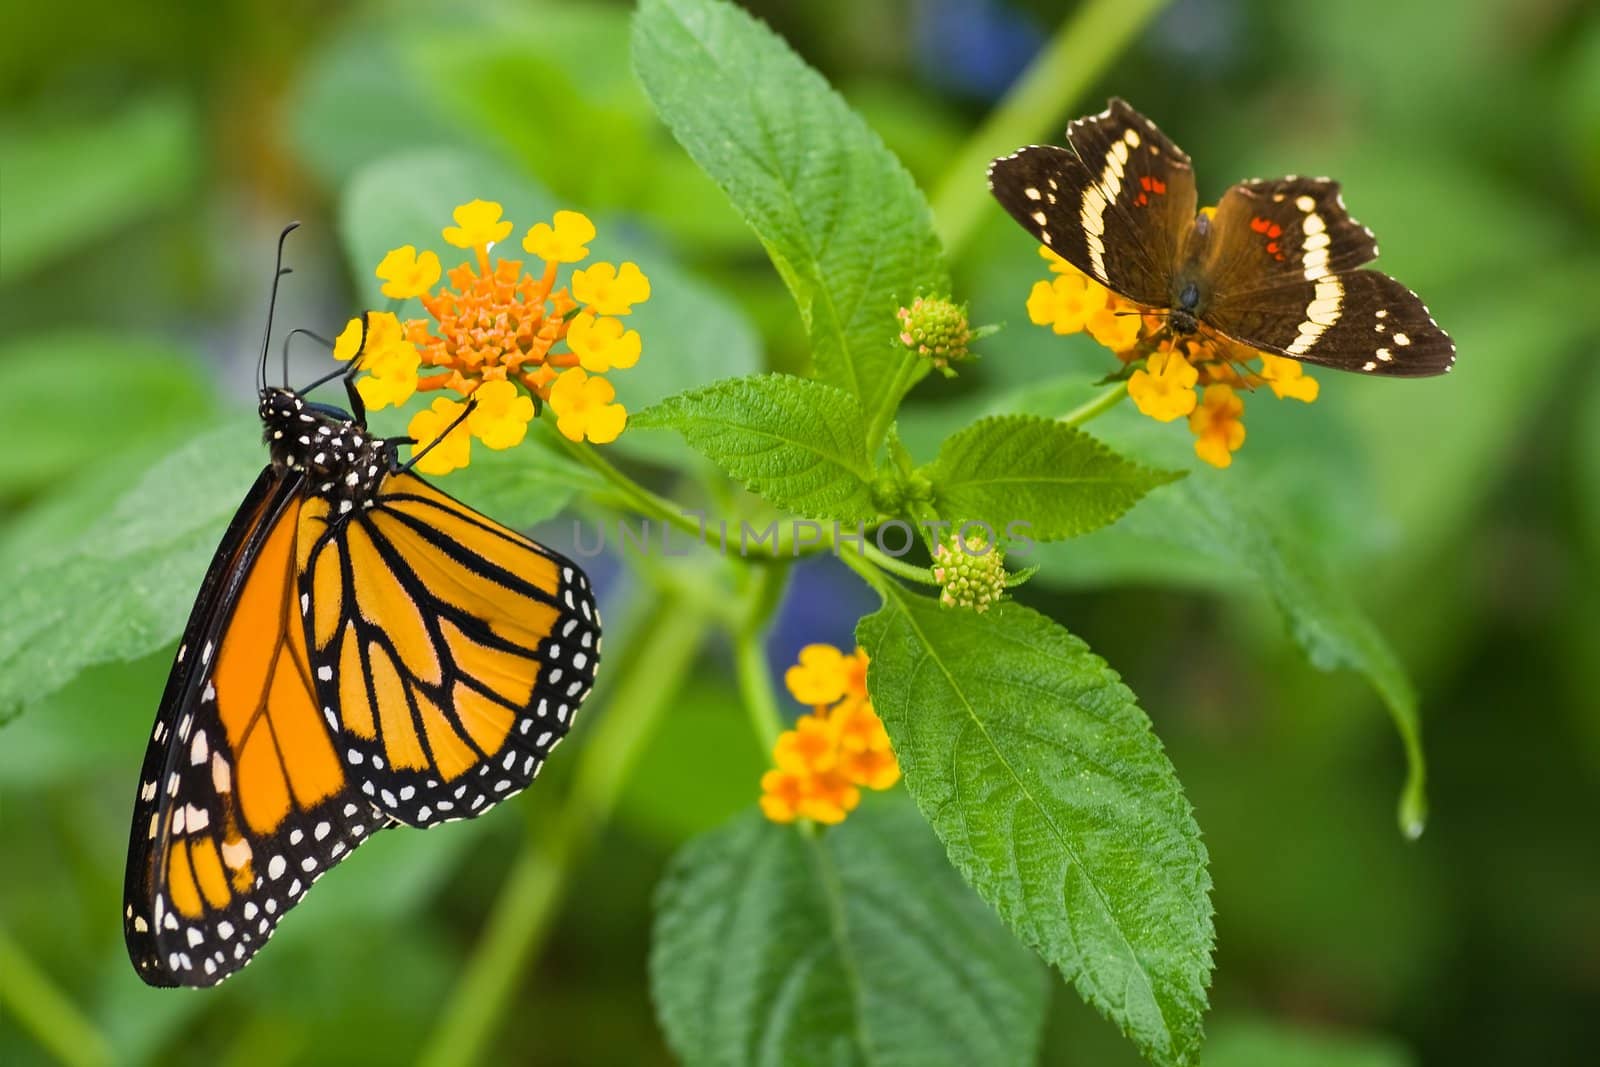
x: 364, y: 652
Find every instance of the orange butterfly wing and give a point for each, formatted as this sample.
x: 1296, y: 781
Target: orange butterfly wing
x: 453, y: 651
x: 243, y: 801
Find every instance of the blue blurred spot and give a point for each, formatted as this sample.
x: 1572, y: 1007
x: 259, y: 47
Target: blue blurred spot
x: 824, y: 601
x: 974, y: 47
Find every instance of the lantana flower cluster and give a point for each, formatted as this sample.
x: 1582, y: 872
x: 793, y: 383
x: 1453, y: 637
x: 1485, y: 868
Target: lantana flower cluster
x: 835, y: 750
x: 1197, y: 377
x: 508, y: 339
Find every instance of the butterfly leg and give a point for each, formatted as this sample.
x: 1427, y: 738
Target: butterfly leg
x: 448, y: 430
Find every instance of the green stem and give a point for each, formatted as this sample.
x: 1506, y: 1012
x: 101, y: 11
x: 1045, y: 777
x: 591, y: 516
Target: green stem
x: 532, y: 893
x: 897, y: 567
x: 1099, y: 405
x: 44, y: 1011
x: 1081, y: 49
x: 642, y: 499
x: 654, y: 506
x: 871, y: 574
x: 750, y: 657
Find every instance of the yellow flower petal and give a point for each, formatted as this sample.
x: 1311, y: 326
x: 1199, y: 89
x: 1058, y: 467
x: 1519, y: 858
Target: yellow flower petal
x: 1065, y: 302
x: 565, y: 242
x: 406, y: 274
x: 781, y: 795
x: 811, y: 746
x: 1216, y: 424
x: 381, y: 391
x: 601, y: 343
x: 1117, y: 325
x: 426, y: 427
x: 1057, y: 264
x: 1164, y: 389
x: 609, y: 290
x: 501, y: 415
x: 584, y: 407
x: 478, y: 224
x: 348, y: 343
x: 821, y: 676
x: 1288, y: 378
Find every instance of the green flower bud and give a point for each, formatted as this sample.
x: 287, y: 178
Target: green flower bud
x: 970, y: 570
x: 936, y: 328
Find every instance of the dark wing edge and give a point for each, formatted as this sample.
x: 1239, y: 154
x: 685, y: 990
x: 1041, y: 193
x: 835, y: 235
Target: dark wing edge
x: 1359, y: 320
x: 261, y: 505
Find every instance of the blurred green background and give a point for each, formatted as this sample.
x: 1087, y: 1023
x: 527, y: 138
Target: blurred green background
x: 148, y: 158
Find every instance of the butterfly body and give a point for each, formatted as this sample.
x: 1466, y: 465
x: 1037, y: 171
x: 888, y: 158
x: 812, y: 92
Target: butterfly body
x: 364, y: 652
x: 339, y: 458
x: 1274, y: 267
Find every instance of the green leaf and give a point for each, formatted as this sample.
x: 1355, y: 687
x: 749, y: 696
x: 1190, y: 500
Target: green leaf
x: 1214, y: 518
x: 59, y: 191
x: 1060, y: 481
x: 858, y: 945
x: 844, y: 223
x: 1042, y: 777
x: 123, y: 588
x: 143, y: 391
x: 1230, y: 529
x: 1264, y: 1044
x: 796, y: 442
x: 358, y: 96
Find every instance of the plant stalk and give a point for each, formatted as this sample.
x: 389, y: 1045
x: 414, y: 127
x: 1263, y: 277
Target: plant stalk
x: 531, y: 896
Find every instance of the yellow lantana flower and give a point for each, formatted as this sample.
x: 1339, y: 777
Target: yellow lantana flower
x: 500, y: 415
x: 565, y: 242
x: 1175, y: 366
x: 428, y: 425
x: 1066, y: 302
x: 1218, y: 431
x: 609, y: 290
x: 478, y: 225
x: 1288, y: 378
x: 864, y: 753
x: 601, y: 342
x: 813, y: 745
x: 391, y: 375
x: 1164, y: 389
x: 509, y: 339
x: 825, y: 798
x: 832, y: 752
x: 348, y: 343
x: 1117, y: 326
x: 821, y: 676
x: 405, y: 274
x: 1057, y: 264
x: 584, y: 407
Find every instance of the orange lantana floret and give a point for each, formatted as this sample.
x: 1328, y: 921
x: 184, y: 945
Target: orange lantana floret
x: 835, y: 750
x: 506, y: 339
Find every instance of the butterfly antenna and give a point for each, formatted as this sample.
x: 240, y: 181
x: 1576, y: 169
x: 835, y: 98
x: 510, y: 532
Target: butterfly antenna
x: 279, y: 270
x: 296, y: 332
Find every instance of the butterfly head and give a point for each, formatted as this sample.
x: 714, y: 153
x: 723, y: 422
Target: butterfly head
x: 341, y: 459
x: 1185, y: 316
